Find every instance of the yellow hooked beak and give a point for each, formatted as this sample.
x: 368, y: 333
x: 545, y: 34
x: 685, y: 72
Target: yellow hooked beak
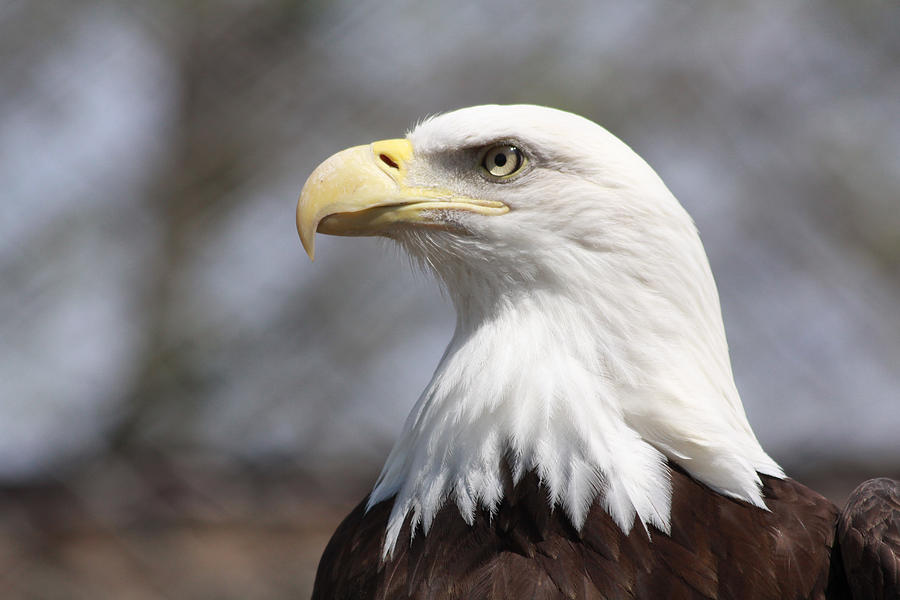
x: 363, y: 191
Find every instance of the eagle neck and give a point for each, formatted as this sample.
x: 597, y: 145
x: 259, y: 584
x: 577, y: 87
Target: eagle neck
x: 523, y: 386
x: 591, y: 370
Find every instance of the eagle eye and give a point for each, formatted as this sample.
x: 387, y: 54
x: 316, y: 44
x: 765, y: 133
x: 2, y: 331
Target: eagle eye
x: 502, y: 160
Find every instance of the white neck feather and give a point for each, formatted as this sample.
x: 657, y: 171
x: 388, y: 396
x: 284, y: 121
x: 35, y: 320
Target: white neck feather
x: 593, y: 388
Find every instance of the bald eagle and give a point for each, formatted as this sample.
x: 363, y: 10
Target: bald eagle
x: 582, y: 436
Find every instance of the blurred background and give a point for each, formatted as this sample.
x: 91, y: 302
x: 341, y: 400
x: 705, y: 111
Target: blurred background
x: 188, y: 407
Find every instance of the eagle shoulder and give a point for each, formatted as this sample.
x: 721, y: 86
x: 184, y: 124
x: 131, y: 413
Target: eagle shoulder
x: 868, y: 535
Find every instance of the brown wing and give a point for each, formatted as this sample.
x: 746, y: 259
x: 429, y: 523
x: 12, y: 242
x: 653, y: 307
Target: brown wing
x: 718, y: 548
x: 868, y: 535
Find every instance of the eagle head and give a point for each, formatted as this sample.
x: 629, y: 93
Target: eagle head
x: 589, y: 344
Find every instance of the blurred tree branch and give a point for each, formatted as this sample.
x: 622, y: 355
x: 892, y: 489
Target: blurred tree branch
x: 220, y: 53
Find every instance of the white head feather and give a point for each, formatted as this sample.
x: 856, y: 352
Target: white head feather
x: 589, y: 344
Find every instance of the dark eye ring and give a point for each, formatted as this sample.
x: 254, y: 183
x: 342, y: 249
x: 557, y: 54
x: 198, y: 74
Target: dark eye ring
x: 502, y: 160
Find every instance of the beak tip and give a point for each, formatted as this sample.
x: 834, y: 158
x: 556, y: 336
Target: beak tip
x: 306, y: 227
x: 308, y: 239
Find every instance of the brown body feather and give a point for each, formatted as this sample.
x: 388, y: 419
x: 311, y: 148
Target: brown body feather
x: 868, y: 539
x: 718, y: 548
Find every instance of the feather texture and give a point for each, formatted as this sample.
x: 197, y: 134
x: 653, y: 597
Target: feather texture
x: 718, y: 548
x: 869, y: 540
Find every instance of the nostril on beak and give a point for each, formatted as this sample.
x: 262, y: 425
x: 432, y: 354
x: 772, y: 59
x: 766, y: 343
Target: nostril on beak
x: 388, y: 161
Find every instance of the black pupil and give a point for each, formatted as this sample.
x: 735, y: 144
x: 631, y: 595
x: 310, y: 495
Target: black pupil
x: 499, y: 159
